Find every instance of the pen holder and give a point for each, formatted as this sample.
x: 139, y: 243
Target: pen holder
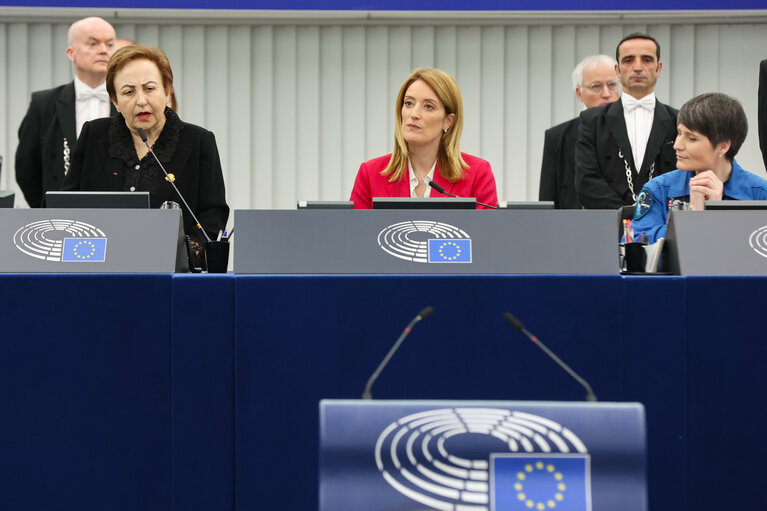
x: 634, y: 257
x: 217, y: 256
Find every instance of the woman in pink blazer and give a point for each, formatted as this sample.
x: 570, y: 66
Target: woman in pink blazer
x: 427, y: 135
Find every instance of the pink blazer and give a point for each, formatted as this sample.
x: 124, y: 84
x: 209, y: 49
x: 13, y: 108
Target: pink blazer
x: 478, y: 182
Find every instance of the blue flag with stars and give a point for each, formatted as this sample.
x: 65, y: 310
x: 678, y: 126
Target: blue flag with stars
x: 541, y: 482
x: 449, y: 250
x: 84, y: 250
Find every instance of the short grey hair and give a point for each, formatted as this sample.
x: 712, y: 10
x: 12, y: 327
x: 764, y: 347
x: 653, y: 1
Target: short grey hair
x: 588, y: 63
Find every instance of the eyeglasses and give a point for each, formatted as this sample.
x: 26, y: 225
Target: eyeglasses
x: 597, y: 87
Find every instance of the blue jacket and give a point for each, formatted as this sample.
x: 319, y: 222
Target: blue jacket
x: 653, y: 202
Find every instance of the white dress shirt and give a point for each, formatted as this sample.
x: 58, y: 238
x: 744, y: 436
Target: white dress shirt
x: 90, y: 103
x: 639, y: 115
x: 414, y: 180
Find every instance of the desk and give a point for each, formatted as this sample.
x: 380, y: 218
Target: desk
x: 200, y: 392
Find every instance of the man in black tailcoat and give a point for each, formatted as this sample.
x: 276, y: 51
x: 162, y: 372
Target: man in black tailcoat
x: 623, y: 145
x: 49, y: 131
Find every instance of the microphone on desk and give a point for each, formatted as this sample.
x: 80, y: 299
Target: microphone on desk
x: 590, y: 396
x: 171, y: 178
x: 425, y: 313
x: 443, y: 192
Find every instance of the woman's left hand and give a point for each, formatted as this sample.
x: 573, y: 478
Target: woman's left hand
x: 704, y: 186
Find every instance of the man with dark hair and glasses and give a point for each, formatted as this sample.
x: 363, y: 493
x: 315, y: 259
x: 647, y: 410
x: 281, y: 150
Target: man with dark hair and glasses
x: 623, y: 145
x: 596, y: 83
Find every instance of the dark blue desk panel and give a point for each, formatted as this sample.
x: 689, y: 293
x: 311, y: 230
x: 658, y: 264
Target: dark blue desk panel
x: 86, y: 389
x: 203, y: 392
x: 653, y: 340
x: 300, y: 339
x: 726, y: 405
x: 117, y: 392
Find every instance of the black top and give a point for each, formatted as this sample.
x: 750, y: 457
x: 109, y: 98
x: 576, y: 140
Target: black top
x: 47, y: 137
x: 558, y: 166
x: 105, y: 160
x: 603, y: 151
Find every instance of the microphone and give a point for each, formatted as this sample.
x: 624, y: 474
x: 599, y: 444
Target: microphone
x: 590, y: 396
x: 425, y: 313
x: 171, y: 178
x: 443, y: 192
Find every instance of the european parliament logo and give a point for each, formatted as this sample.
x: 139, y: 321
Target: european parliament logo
x: 757, y: 240
x: 485, y: 459
x: 62, y: 240
x: 426, y: 241
x: 540, y: 482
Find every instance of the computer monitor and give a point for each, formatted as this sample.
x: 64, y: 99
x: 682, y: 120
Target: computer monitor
x: 424, y: 203
x: 6, y: 198
x: 732, y: 205
x: 325, y: 204
x: 99, y: 200
x: 510, y: 204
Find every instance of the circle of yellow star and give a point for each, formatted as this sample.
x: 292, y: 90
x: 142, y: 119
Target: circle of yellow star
x: 548, y: 469
x: 87, y: 243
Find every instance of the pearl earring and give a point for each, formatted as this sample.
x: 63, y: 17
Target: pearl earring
x: 444, y: 130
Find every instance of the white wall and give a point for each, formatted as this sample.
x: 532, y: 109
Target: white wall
x: 298, y: 100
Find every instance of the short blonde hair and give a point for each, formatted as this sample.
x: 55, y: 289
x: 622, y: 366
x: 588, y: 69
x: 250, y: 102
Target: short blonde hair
x: 449, y: 159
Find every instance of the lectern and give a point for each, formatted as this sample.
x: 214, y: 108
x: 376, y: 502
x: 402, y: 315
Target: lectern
x: 481, y: 456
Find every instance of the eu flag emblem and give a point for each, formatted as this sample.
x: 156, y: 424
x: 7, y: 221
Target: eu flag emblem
x: 540, y: 482
x: 84, y: 250
x: 449, y: 250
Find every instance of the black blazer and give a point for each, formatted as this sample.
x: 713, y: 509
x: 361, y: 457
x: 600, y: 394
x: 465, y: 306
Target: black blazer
x: 600, y: 174
x: 193, y: 159
x: 558, y: 166
x: 42, y: 153
x: 763, y: 110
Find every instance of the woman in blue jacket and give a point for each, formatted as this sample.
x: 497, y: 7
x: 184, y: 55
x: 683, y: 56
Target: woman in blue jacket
x: 711, y: 129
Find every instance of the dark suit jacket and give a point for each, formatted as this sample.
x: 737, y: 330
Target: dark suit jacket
x: 558, y: 166
x: 194, y: 161
x: 763, y: 110
x: 40, y: 155
x: 600, y: 174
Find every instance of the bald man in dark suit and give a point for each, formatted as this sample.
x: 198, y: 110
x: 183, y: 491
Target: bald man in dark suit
x: 48, y: 133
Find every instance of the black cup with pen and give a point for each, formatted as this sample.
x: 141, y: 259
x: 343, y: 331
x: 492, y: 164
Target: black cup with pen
x: 634, y: 256
x: 217, y: 252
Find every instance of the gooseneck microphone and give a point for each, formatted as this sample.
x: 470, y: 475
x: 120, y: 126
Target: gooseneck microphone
x: 171, y: 178
x: 590, y: 396
x: 443, y: 192
x: 425, y: 313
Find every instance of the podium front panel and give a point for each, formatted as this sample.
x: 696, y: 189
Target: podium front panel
x: 91, y: 241
x: 426, y: 242
x: 481, y: 456
x: 717, y: 242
